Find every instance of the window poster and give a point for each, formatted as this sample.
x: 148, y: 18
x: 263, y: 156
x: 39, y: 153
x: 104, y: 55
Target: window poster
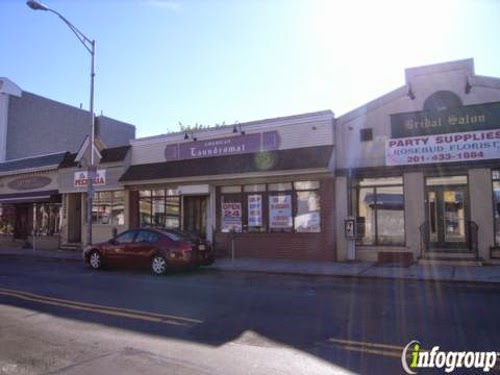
x: 280, y: 211
x: 255, y: 210
x: 231, y: 217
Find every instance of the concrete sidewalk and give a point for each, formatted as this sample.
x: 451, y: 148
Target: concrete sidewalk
x: 473, y: 274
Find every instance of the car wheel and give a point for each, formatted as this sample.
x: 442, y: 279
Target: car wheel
x: 95, y: 260
x: 158, y: 265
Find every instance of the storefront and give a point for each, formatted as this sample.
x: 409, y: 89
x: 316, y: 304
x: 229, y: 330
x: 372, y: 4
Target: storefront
x: 30, y: 204
x: 423, y: 180
x: 260, y: 189
x: 109, y: 206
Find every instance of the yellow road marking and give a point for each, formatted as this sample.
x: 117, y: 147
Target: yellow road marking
x: 108, y: 310
x: 364, y: 343
x: 372, y: 351
x: 386, y: 350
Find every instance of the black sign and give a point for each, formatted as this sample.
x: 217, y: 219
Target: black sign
x: 29, y: 183
x: 462, y: 119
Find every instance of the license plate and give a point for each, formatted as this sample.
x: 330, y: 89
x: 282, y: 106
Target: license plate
x: 201, y: 247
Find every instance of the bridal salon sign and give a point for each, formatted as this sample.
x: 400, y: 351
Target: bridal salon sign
x: 241, y: 144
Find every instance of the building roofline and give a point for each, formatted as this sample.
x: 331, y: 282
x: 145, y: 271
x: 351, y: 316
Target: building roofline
x: 8, y: 87
x: 465, y: 65
x: 255, y: 125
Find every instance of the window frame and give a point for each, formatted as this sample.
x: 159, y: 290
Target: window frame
x: 241, y: 194
x: 375, y: 184
x: 168, y: 201
x: 494, y: 208
x: 116, y: 197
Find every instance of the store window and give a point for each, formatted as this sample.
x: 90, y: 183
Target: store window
x: 276, y: 207
x: 7, y: 219
x: 379, y: 207
x: 47, y: 218
x: 232, y: 209
x: 159, y: 208
x: 496, y: 204
x: 108, y: 207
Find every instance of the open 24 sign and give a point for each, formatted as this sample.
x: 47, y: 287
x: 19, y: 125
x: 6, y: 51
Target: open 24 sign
x: 231, y: 210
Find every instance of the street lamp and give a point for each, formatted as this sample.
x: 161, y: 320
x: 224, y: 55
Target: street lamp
x: 90, y: 47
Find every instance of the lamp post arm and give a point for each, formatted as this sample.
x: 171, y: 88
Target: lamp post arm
x: 86, y: 42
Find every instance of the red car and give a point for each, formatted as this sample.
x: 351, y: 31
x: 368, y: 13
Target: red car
x: 158, y: 249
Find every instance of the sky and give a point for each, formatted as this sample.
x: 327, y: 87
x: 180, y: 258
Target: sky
x: 162, y: 63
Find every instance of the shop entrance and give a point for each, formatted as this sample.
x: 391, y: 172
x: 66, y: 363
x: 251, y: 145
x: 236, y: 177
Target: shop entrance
x: 195, y: 214
x: 448, y: 214
x: 74, y: 218
x: 24, y: 221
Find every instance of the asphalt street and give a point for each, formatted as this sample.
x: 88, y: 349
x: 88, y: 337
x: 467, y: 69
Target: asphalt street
x: 59, y: 316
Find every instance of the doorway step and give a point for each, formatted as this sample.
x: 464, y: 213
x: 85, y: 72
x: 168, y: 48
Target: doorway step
x: 9, y: 242
x: 447, y: 258
x: 71, y: 246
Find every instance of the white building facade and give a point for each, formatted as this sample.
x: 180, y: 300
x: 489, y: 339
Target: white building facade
x: 421, y: 169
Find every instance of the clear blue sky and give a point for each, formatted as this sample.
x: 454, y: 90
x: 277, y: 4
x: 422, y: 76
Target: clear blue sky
x: 161, y: 62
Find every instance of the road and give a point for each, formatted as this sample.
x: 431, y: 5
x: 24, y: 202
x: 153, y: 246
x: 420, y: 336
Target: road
x: 58, y: 316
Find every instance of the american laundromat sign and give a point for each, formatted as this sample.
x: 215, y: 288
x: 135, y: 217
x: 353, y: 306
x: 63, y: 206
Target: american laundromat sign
x: 235, y: 145
x: 462, y: 119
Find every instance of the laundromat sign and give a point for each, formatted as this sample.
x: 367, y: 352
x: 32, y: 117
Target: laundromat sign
x: 456, y: 120
x: 80, y: 178
x: 242, y: 144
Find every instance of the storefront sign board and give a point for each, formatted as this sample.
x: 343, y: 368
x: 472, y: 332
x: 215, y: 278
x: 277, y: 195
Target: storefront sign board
x: 456, y: 120
x: 29, y: 183
x: 80, y: 178
x: 227, y: 146
x: 443, y: 148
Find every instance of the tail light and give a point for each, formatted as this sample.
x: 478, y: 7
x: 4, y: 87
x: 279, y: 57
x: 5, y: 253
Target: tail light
x: 185, y: 247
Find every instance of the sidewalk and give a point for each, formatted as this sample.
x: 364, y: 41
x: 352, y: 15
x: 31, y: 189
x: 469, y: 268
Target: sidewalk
x: 369, y: 270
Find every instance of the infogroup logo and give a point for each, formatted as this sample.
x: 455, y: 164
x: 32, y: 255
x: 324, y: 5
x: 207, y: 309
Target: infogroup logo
x: 414, y: 358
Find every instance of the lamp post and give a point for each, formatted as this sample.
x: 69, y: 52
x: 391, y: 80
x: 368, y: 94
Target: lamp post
x: 90, y: 47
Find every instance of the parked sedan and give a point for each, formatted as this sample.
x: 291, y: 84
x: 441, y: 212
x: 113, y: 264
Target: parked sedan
x: 158, y: 249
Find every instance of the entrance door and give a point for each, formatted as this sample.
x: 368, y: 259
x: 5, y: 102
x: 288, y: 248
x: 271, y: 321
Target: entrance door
x: 195, y: 214
x: 448, y: 213
x: 74, y: 218
x: 24, y: 221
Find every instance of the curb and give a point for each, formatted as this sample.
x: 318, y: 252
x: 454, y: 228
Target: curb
x: 357, y: 276
x: 361, y: 275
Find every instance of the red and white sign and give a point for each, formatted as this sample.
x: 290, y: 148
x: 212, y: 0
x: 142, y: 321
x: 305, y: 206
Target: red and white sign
x: 443, y: 148
x: 231, y: 217
x: 80, y: 178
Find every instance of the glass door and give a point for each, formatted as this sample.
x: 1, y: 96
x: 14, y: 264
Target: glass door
x: 447, y: 211
x: 195, y: 214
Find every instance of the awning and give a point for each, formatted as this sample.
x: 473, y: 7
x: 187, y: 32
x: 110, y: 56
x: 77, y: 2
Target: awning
x: 279, y: 160
x: 385, y: 201
x: 31, y: 197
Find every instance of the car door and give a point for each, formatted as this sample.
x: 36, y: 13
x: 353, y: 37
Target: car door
x: 145, y: 243
x: 116, y: 252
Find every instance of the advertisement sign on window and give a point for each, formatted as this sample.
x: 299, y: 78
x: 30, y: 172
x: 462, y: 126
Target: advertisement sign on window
x: 255, y: 210
x: 231, y: 217
x: 280, y: 211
